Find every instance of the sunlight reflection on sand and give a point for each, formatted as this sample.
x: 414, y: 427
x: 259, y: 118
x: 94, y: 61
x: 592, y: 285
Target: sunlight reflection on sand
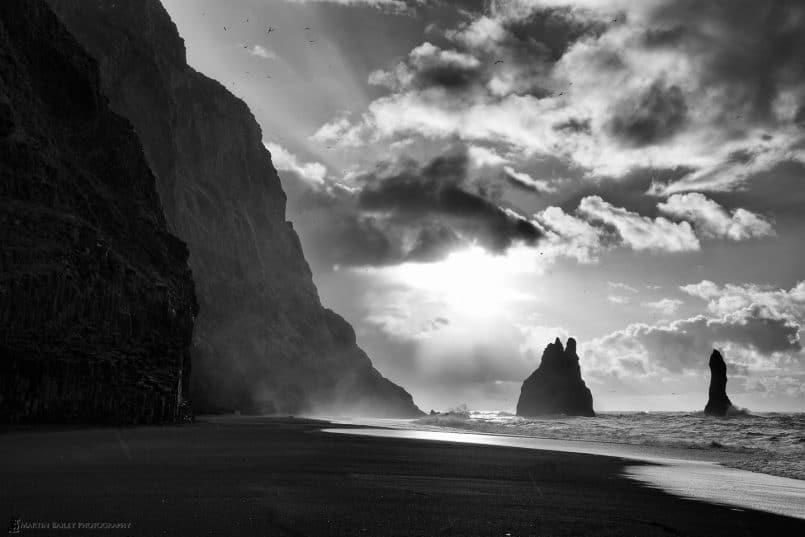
x: 702, y: 480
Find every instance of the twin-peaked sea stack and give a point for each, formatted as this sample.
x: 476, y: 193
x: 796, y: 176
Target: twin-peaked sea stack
x: 718, y: 404
x: 556, y: 387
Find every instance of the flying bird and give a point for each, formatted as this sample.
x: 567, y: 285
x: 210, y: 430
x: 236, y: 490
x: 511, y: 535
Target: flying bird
x: 224, y: 28
x: 270, y: 29
x: 498, y: 61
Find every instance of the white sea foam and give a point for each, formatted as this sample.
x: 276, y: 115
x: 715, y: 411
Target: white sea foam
x: 690, y: 478
x: 770, y: 443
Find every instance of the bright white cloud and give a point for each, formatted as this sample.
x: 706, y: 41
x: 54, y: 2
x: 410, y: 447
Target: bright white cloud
x: 312, y: 172
x: 713, y: 220
x: 620, y: 286
x: 569, y: 236
x: 484, y: 156
x: 633, y: 104
x: 391, y: 5
x: 665, y: 306
x: 527, y: 181
x: 780, y: 303
x: 640, y: 232
x: 705, y: 289
x: 262, y: 52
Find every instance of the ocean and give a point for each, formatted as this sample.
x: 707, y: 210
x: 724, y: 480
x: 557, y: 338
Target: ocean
x: 769, y: 443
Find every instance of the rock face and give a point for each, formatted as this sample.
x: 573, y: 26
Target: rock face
x: 263, y: 341
x: 556, y: 387
x: 718, y: 403
x: 96, y: 297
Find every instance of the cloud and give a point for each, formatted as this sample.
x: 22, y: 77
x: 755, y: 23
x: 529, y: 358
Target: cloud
x: 664, y: 87
x: 622, y: 287
x: 653, y: 117
x: 312, y: 172
x: 756, y: 327
x: 640, y: 232
x: 447, y: 69
x: 484, y: 156
x: 712, y: 220
x: 684, y: 345
x: 782, y: 303
x: 262, y: 52
x: 704, y: 289
x: 569, y: 236
x: 393, y: 6
x: 403, y: 211
x: 523, y: 180
x: 665, y: 306
x: 619, y: 299
x: 438, y: 193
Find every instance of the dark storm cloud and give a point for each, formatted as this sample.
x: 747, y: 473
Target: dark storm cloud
x: 430, y: 66
x: 451, y: 77
x: 433, y: 242
x: 405, y: 211
x: 439, y: 192
x: 547, y: 33
x: 754, y: 48
x: 654, y: 117
x: 333, y: 231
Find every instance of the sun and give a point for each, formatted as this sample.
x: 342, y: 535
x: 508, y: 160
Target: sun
x: 470, y: 283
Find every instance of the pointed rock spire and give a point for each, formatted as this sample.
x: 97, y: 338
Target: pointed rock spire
x: 718, y: 403
x: 556, y: 387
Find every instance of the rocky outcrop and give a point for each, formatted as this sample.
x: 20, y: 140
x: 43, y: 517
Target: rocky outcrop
x: 263, y: 341
x: 96, y: 297
x: 718, y: 403
x: 556, y: 387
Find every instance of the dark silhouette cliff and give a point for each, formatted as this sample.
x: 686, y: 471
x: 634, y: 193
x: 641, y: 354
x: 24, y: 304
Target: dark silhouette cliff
x: 717, y: 403
x: 556, y: 387
x: 263, y: 341
x: 96, y: 297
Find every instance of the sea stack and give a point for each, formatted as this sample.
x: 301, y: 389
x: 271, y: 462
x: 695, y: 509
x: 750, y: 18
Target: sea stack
x: 556, y: 387
x: 718, y: 403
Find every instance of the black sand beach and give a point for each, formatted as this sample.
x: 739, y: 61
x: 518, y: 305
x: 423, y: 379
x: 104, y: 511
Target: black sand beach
x: 256, y: 476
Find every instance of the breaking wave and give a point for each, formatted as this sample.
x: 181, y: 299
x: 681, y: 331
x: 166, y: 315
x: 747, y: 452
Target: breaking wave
x: 771, y: 443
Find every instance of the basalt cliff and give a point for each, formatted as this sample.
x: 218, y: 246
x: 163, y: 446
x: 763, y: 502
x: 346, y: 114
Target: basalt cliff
x: 556, y: 387
x: 262, y: 340
x: 96, y: 296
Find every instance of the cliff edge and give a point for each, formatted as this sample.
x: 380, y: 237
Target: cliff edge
x: 263, y: 342
x: 96, y: 297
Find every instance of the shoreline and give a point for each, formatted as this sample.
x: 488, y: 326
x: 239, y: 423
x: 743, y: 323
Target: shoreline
x: 280, y: 476
x: 757, y: 459
x: 692, y: 478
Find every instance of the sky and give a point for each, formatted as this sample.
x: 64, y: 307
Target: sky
x: 473, y: 179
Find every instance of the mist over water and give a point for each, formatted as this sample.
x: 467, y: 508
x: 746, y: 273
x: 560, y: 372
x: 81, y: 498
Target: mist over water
x: 771, y: 443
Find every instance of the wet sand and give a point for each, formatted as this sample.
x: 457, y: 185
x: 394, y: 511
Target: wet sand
x: 261, y: 476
